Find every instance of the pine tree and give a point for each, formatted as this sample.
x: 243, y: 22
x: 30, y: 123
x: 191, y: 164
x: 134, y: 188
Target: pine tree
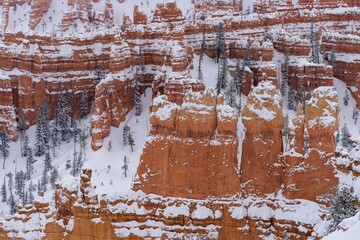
x: 26, y: 145
x: 4, y: 147
x: 219, y: 44
x: 40, y: 133
x: 3, y: 192
x: 333, y: 54
x: 99, y: 73
x: 141, y: 60
x: 62, y: 117
x: 317, y: 50
x: 345, y: 136
x: 230, y: 94
x: 84, y: 106
x: 286, y: 131
x: 341, y: 205
x: 131, y: 141
x: 39, y: 188
x: 346, y: 98
x: 44, y: 180
x: 21, y: 128
x: 291, y: 97
x: 285, y: 74
x: 29, y: 164
x: 201, y: 57
x: 21, y: 123
x: 20, y: 184
x: 238, y: 107
x: 126, y: 131
x: 54, y: 176
x: 247, y: 55
x: 238, y: 77
x: 12, y: 203
x: 125, y: 166
x: 312, y: 38
x: 30, y: 194
x: 137, y: 96
x: 47, y: 162
x: 45, y: 122
x: 355, y: 114
x: 222, y: 75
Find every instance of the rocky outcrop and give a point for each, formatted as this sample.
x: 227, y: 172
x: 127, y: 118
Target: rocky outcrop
x: 79, y: 214
x: 310, y: 156
x: 38, y: 8
x: 111, y: 105
x: 192, y: 148
x: 307, y: 77
x: 7, y: 110
x: 342, y: 51
x: 261, y: 165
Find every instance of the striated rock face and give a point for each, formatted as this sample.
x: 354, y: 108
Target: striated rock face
x: 309, y: 169
x: 78, y: 213
x: 308, y: 77
x: 38, y: 8
x: 345, y: 59
x: 110, y: 108
x: 167, y: 12
x: 7, y: 110
x: 192, y: 148
x: 261, y: 165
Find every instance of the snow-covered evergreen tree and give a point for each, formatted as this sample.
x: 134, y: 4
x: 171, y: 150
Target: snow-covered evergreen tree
x: 222, y: 80
x: 346, y: 98
x: 20, y: 184
x: 12, y: 202
x: 125, y: 166
x: 137, y: 96
x: 341, y: 205
x: 238, y: 77
x: 44, y: 180
x: 291, y: 97
x: 285, y: 74
x: 201, y: 57
x: 30, y: 194
x: 47, y: 162
x: 42, y: 133
x: 21, y: 123
x: 247, y: 54
x: 131, y: 141
x: 126, y: 131
x: 333, y: 54
x: 54, y: 176
x: 219, y: 44
x: 4, y: 145
x: 315, y: 45
x: 286, y: 131
x: 84, y: 106
x: 62, y: 117
x: 26, y: 145
x: 345, y: 136
x: 312, y: 38
x: 230, y: 94
x: 21, y: 128
x: 3, y: 192
x: 99, y: 73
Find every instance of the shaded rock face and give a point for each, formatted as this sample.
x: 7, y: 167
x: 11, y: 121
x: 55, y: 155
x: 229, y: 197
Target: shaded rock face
x: 261, y: 165
x: 309, y: 163
x: 187, y: 147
